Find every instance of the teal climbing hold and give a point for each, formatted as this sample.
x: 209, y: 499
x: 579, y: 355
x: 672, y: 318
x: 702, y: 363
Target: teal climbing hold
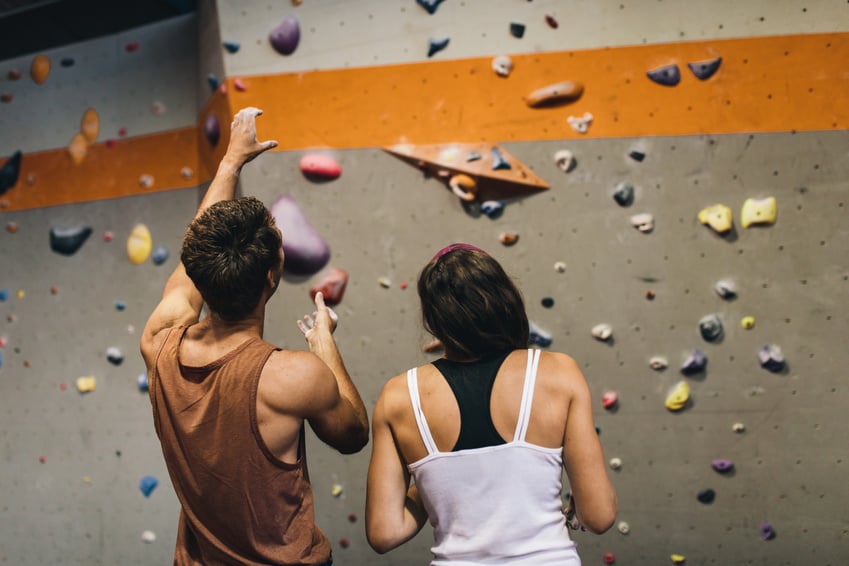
x: 148, y: 484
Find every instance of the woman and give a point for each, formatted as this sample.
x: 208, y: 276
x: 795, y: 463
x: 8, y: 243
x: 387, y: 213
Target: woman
x: 485, y: 432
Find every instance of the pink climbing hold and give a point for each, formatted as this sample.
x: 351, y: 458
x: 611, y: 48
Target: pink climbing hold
x: 239, y: 85
x: 609, y: 399
x: 320, y: 167
x: 332, y: 286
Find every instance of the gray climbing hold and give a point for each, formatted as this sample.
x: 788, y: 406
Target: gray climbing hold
x: 706, y: 496
x: 705, y: 69
x: 498, y: 160
x: 726, y: 289
x: 492, y: 208
x: 537, y: 336
x: 624, y: 194
x: 437, y: 45
x: 667, y: 75
x: 517, y: 29
x: 710, y: 327
x: 159, y: 255
x: 9, y: 172
x: 114, y: 356
x: 696, y: 362
x: 771, y: 358
x: 67, y: 241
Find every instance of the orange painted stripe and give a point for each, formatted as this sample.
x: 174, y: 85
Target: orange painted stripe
x: 765, y: 84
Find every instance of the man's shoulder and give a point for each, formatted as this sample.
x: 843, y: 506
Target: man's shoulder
x: 293, y: 380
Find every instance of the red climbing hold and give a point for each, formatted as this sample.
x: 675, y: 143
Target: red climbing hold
x: 131, y: 47
x: 319, y: 166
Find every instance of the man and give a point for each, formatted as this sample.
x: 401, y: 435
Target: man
x: 229, y: 408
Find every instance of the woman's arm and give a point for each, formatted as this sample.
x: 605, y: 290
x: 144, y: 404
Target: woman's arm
x: 394, y: 512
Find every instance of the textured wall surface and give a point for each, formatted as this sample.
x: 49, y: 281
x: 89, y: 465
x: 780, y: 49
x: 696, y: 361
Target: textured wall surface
x: 72, y: 462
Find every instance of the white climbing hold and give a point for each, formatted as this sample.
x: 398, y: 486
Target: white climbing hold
x: 623, y: 527
x: 739, y: 428
x: 560, y: 267
x: 658, y: 363
x: 565, y: 160
x: 602, y: 331
x: 615, y: 463
x: 146, y: 181
x: 148, y: 536
x: 502, y: 65
x: 580, y: 124
x: 643, y: 222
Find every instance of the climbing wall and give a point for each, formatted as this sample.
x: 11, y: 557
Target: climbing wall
x: 74, y: 461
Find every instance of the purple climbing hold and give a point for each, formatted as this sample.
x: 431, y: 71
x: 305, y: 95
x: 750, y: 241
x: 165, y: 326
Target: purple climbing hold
x: 696, y: 362
x: 9, y: 172
x: 434, y: 46
x: 667, y: 75
x: 517, y: 30
x: 148, y: 484
x: 771, y: 358
x: 429, y: 5
x: 231, y: 46
x: 498, y: 160
x: 159, y: 255
x: 212, y: 130
x: 67, y: 241
x: 304, y: 251
x: 722, y: 466
x: 767, y: 531
x: 705, y: 69
x: 537, y: 336
x: 285, y: 37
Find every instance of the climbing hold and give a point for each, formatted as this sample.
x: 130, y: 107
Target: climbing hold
x: 547, y: 302
x: 120, y: 305
x: 678, y: 397
x: 615, y: 463
x: 39, y: 69
x: 502, y: 65
x: 623, y: 527
x: 565, y: 160
x: 722, y: 466
x: 636, y: 155
x: 726, y: 289
x: 508, y: 238
x: 402, y: 285
x: 473, y: 156
x: 305, y: 252
x: 706, y: 496
x: 148, y: 484
x: 231, y: 46
x: 13, y: 75
x: 122, y: 132
x: 771, y: 358
x: 739, y: 428
x: 78, y: 148
x: 552, y: 23
x: 705, y: 69
x: 650, y: 295
x: 4, y: 295
x: 186, y: 173
x: 317, y: 166
x: 602, y: 332
x: 21, y: 293
x: 747, y: 322
x: 132, y: 47
x: 159, y: 255
x: 1, y: 358
x: 758, y: 211
x: 336, y: 490
x: 710, y: 327
x: 537, y: 336
x: 10, y: 171
x: 463, y: 186
x: 352, y: 517
x: 498, y: 160
x: 492, y: 208
x: 560, y: 266
x: 158, y: 108
x: 695, y: 362
x: 139, y: 244
x: 384, y: 282
x: 7, y: 97
x: 580, y: 124
x: 213, y: 81
x: 667, y: 75
x: 114, y: 356
x: 344, y: 542
x: 286, y: 36
x: 517, y: 30
x: 555, y: 94
x: 86, y: 384
x: 331, y: 286
x: 146, y: 181
x: 624, y: 194
x: 148, y: 536
x: 435, y: 45
x: 429, y: 5
x: 643, y: 222
x: 677, y: 558
x: 142, y: 382
x: 212, y: 130
x: 239, y: 85
x: 67, y: 241
x: 718, y: 217
x: 767, y: 531
x: 658, y: 363
x: 609, y: 399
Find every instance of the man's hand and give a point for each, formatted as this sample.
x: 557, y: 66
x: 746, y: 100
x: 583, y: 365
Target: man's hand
x: 243, y: 146
x: 322, y: 319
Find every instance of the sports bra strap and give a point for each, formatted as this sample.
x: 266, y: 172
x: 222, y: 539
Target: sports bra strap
x: 527, y: 396
x: 421, y: 421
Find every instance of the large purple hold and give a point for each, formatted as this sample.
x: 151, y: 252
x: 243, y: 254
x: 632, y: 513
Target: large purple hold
x: 304, y: 250
x: 212, y: 130
x: 285, y: 37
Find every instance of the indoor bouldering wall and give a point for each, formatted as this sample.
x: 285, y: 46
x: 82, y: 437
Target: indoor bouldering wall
x: 770, y: 122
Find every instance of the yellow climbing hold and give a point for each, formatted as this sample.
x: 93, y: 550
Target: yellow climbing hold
x: 78, y: 148
x: 39, y: 69
x: 758, y: 211
x: 678, y: 558
x: 678, y: 397
x: 747, y: 322
x: 90, y: 125
x: 718, y: 217
x: 139, y: 244
x: 86, y: 384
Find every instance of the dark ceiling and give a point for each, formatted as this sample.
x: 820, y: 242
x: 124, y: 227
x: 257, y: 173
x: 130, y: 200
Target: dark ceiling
x: 30, y: 26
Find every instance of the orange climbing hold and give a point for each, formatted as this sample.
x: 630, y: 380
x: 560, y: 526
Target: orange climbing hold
x: 40, y: 69
x: 90, y: 125
x: 78, y: 148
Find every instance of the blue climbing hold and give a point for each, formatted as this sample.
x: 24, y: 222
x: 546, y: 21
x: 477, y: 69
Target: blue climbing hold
x: 120, y: 305
x: 231, y: 46
x: 537, y: 336
x: 705, y: 69
x: 10, y: 171
x: 667, y: 75
x: 142, y: 382
x: 624, y: 194
x: 1, y: 358
x: 695, y: 363
x: 517, y: 30
x: 67, y: 241
x: 492, y: 208
x: 706, y: 496
x: 67, y: 62
x: 4, y: 295
x: 437, y: 45
x: 498, y: 160
x: 148, y: 484
x: 213, y: 81
x: 429, y: 5
x: 160, y: 255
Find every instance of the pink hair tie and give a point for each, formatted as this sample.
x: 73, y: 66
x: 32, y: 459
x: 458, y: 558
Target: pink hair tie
x: 456, y: 246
